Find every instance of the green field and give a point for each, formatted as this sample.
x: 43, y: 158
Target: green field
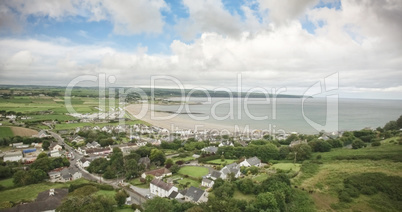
x: 7, y: 183
x: 193, y: 171
x: 238, y: 195
x: 260, y: 177
x: 185, y: 159
x: 287, y: 166
x: 327, y: 177
x: 192, y: 182
x: 138, y: 183
x: 29, y: 193
x: 6, y: 132
x: 109, y: 194
x: 220, y: 162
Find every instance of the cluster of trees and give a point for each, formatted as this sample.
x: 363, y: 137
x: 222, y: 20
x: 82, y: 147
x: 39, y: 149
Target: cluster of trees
x: 370, y: 184
x: 117, y: 165
x: 265, y: 152
x: 38, y: 170
x: 274, y: 194
x: 24, y: 140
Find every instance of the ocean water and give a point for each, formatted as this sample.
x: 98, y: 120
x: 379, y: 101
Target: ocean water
x: 286, y: 114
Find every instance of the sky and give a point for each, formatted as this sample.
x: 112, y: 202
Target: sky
x: 272, y: 45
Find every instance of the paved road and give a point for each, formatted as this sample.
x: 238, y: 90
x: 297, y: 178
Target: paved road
x: 137, y: 194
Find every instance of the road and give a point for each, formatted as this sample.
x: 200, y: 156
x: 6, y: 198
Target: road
x: 137, y: 194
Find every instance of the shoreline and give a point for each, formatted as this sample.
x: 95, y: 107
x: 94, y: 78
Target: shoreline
x: 172, y: 121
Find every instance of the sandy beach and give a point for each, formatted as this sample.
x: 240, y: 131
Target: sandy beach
x: 171, y: 121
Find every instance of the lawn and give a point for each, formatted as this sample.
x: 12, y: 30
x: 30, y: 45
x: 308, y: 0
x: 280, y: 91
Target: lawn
x: 185, y: 159
x: 7, y: 183
x: 6, y: 132
x: 138, y: 183
x: 108, y: 194
x: 287, y: 166
x: 194, y: 171
x: 30, y: 192
x: 238, y: 195
x: 219, y: 161
x: 194, y: 183
x: 260, y: 177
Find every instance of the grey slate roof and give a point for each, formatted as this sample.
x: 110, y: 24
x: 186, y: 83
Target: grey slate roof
x: 161, y: 184
x: 253, y: 161
x: 194, y: 193
x: 206, y: 180
x: 173, y: 195
x: 215, y: 174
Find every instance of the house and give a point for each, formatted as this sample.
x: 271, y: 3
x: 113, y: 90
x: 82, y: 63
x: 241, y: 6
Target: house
x: 254, y: 161
x: 64, y: 174
x: 54, y: 146
x: 78, y: 139
x: 99, y: 151
x: 12, y: 156
x: 233, y: 168
x: 294, y: 143
x: 161, y: 189
x: 145, y: 161
x: 84, y: 162
x: 45, y: 201
x: 94, y: 144
x: 176, y: 195
x: 55, y: 174
x: 210, y: 149
x: 207, y: 182
x: 157, y: 173
x: 225, y: 143
x: 196, y: 195
x: 215, y: 175
x: 42, y: 134
x: 55, y: 154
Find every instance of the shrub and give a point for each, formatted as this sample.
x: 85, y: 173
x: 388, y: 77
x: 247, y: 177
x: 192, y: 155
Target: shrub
x: 319, y: 157
x: 376, y: 143
x: 344, y: 196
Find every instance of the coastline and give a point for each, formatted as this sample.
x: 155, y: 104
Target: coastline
x: 171, y: 121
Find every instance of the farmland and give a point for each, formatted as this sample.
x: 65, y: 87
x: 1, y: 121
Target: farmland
x: 20, y: 131
x: 6, y: 132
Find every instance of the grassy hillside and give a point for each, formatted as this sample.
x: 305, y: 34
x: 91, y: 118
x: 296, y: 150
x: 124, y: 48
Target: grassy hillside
x: 326, y: 176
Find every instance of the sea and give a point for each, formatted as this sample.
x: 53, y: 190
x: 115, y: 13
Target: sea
x: 307, y: 116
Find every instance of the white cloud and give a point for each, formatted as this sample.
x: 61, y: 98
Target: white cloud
x: 368, y: 60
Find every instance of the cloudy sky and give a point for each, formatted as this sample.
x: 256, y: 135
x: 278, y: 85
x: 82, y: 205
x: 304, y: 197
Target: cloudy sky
x: 290, y: 44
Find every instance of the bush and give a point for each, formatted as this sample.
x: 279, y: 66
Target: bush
x: 318, y: 157
x: 376, y: 143
x: 344, y: 197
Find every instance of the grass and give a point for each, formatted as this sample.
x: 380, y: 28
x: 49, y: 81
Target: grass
x: 260, y: 177
x: 192, y: 182
x: 6, y: 132
x: 108, y: 194
x: 240, y: 196
x: 185, y: 159
x: 193, y: 171
x: 138, y: 183
x: 30, y: 192
x: 220, y: 162
x: 287, y: 166
x: 7, y: 183
x: 326, y: 177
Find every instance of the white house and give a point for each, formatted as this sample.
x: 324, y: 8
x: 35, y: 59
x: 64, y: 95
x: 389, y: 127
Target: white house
x: 207, y: 183
x: 55, y: 154
x: 84, y: 162
x: 12, y: 156
x: 233, y: 168
x: 55, y: 147
x: 161, y: 189
x: 254, y: 161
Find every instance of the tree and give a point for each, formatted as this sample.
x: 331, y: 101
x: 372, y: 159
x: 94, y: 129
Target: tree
x: 149, y: 178
x: 157, y: 156
x: 174, y: 169
x: 120, y: 197
x: 283, y: 152
x: 132, y: 169
x: 301, y: 152
x: 158, y: 204
x: 5, y: 172
x: 169, y: 163
x: 109, y: 173
x: 45, y: 145
x: 246, y: 186
x: 42, y: 155
x: 266, y: 201
x: 358, y: 143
